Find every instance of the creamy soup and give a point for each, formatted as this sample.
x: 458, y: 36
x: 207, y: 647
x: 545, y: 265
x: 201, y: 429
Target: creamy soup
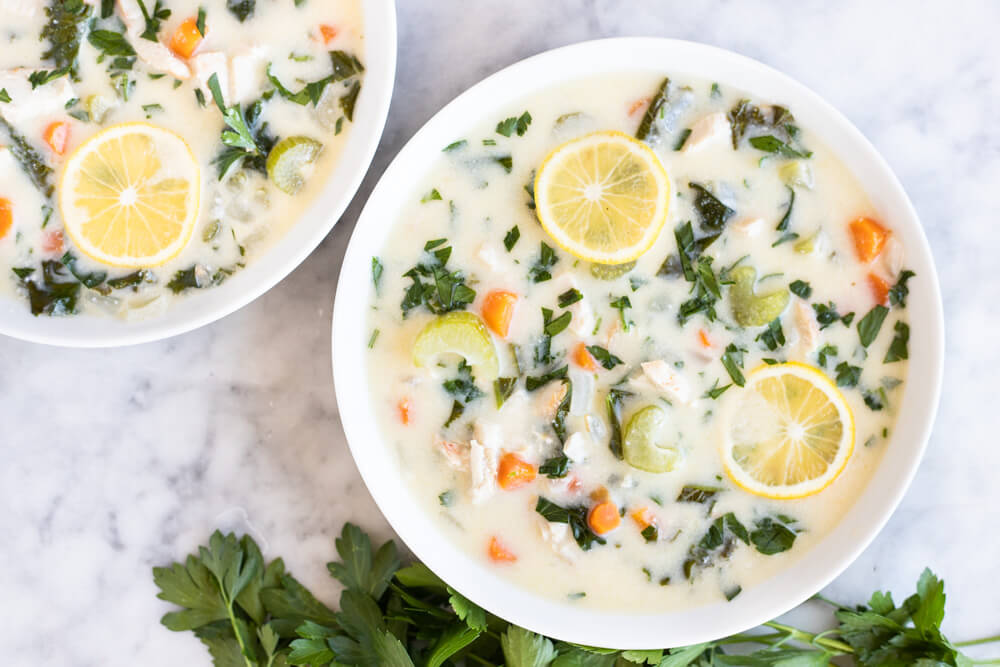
x: 603, y: 434
x: 261, y: 92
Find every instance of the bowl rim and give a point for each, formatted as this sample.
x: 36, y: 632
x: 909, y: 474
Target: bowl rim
x: 815, y: 568
x: 282, y: 257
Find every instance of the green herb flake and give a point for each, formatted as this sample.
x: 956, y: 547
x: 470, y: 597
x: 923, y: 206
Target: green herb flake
x: 433, y: 195
x: 870, y: 324
x: 898, y: 348
x: 511, y: 125
x: 510, y: 239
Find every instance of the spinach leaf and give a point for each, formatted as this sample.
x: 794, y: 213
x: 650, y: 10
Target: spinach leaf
x: 871, y: 323
x: 898, y: 348
x: 771, y: 144
x: 531, y: 382
x: 732, y: 360
x: 800, y: 288
x: 553, y: 327
x: 546, y: 260
x: 847, y: 375
x: 64, y: 30
x: 110, y: 43
x: 771, y: 536
x: 718, y: 542
x: 511, y: 238
x: 562, y: 411
x: 463, y: 387
x: 653, y: 111
x: 783, y: 223
x: 569, y: 297
x: 899, y: 291
x: 575, y: 516
x: 694, y: 493
x: 773, y: 336
x: 614, y: 402
x: 57, y: 292
x: 713, y: 213
x: 241, y: 9
x: 443, y: 291
x: 89, y: 280
x: 603, y: 356
x: 555, y: 467
x: 31, y: 160
x: 503, y: 388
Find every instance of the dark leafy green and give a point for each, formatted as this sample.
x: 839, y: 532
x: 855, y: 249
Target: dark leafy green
x: 614, y: 403
x: 547, y: 258
x: 899, y: 347
x: 241, y: 9
x: 871, y: 323
x: 712, y: 212
x: 514, y: 124
x: 603, y: 356
x: 64, y: 29
x: 575, y: 516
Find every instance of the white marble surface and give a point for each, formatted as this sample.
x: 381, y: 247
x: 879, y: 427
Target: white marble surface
x: 115, y: 461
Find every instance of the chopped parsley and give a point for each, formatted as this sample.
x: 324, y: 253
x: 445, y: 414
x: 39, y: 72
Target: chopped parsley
x: 547, y: 258
x: 510, y: 239
x: 800, y: 288
x: 603, y: 356
x: 870, y: 324
x: 511, y: 125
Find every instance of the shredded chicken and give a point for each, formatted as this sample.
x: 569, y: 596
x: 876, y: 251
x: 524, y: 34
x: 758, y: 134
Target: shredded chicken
x: 892, y: 257
x: 484, y: 452
x: 665, y: 378
x: 576, y: 446
x: 549, y: 401
x: 560, y: 538
x: 707, y: 131
x: 748, y: 226
x: 27, y: 103
x: 455, y: 454
x: 155, y: 54
x: 807, y: 328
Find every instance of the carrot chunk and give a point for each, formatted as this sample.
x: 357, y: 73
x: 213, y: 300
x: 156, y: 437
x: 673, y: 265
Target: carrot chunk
x: 403, y: 408
x: 603, y: 517
x: 498, y: 310
x: 328, y: 32
x: 643, y: 517
x: 6, y: 216
x: 186, y: 38
x: 637, y: 105
x: 869, y: 238
x: 513, y: 472
x: 56, y: 135
x: 703, y: 338
x: 880, y: 289
x: 583, y: 358
x: 499, y: 553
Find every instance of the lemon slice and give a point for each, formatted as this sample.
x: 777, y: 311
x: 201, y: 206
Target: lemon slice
x: 603, y: 197
x: 789, y: 434
x: 461, y: 333
x: 129, y: 195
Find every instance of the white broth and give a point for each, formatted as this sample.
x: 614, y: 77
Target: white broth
x: 311, y: 46
x: 472, y: 197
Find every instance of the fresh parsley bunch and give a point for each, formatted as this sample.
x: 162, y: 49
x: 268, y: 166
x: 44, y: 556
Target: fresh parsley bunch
x: 250, y: 613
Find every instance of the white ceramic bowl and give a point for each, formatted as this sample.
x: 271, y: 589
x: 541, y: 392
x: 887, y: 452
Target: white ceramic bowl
x: 473, y: 577
x: 288, y: 252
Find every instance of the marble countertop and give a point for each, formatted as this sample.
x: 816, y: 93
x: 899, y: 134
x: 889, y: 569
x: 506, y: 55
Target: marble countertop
x: 114, y: 461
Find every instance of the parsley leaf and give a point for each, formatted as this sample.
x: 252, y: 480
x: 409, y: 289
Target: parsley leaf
x: 603, y: 357
x: 847, y: 375
x: 511, y: 238
x: 514, y: 124
x: 732, y: 360
x: 800, y: 288
x: 899, y: 291
x: 870, y: 324
x: 898, y: 349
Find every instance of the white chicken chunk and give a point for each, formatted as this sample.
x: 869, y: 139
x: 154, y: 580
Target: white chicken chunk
x: 664, y: 377
x: 807, y: 328
x: 455, y: 454
x: 204, y: 65
x: 892, y: 257
x: 484, y: 453
x: 750, y: 227
x: 708, y: 130
x: 27, y: 103
x: 246, y: 74
x: 576, y: 446
x: 153, y: 53
x: 559, y: 537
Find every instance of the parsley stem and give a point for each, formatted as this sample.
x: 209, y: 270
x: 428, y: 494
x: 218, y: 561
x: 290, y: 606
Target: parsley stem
x: 830, y: 602
x: 976, y: 642
x: 809, y: 638
x: 476, y: 658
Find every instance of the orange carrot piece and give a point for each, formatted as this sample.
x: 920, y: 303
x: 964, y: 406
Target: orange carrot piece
x: 703, y: 338
x: 880, y: 289
x: 643, y: 517
x: 513, y: 472
x: 499, y: 553
x: 6, y: 216
x: 56, y: 135
x: 328, y: 32
x: 186, y: 38
x: 869, y: 238
x: 603, y: 517
x: 583, y: 358
x: 52, y: 242
x: 498, y: 310
x: 403, y: 408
